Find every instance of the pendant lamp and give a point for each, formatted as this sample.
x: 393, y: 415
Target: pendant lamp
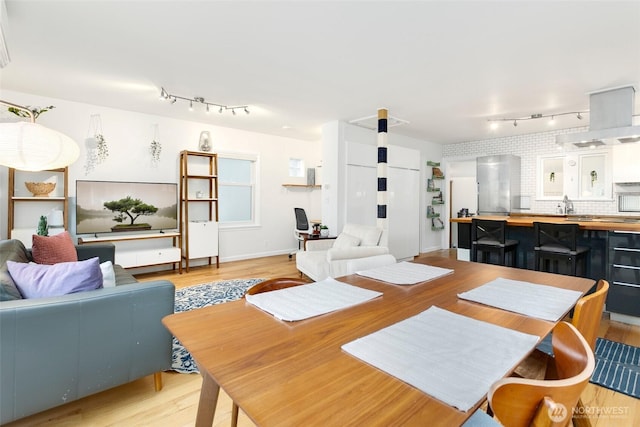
x: 32, y: 147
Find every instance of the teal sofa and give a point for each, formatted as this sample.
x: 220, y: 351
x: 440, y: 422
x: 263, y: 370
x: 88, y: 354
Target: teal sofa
x: 56, y: 350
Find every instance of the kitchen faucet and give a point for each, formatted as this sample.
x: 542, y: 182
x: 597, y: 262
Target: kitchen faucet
x: 568, y: 206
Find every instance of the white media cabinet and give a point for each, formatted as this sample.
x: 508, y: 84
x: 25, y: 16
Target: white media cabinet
x: 140, y: 250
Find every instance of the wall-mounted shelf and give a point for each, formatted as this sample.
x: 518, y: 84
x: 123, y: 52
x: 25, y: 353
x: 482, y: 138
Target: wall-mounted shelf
x: 437, y: 200
x: 301, y: 186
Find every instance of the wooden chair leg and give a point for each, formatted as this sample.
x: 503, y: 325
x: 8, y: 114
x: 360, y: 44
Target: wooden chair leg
x: 234, y: 415
x: 579, y: 419
x: 157, y: 380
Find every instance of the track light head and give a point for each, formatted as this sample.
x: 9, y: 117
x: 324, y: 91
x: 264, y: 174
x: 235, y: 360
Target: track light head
x: 190, y: 105
x: 233, y: 111
x: 246, y: 110
x: 515, y: 123
x: 173, y: 100
x: 220, y: 110
x: 579, y: 116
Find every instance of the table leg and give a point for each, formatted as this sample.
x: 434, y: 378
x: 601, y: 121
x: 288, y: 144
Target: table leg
x: 208, y: 401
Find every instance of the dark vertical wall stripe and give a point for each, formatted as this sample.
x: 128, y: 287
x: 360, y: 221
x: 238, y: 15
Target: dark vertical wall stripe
x: 382, y: 125
x: 382, y: 184
x: 382, y: 154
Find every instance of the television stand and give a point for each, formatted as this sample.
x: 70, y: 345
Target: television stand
x: 135, y: 250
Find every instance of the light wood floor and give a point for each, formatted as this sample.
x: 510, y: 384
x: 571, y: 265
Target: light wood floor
x: 137, y: 404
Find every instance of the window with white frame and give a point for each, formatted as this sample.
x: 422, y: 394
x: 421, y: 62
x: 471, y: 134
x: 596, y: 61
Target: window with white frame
x: 237, y: 189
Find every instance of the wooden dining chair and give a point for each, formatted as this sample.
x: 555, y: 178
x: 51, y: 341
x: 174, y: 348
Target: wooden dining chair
x: 520, y: 402
x: 587, y: 315
x: 267, y: 286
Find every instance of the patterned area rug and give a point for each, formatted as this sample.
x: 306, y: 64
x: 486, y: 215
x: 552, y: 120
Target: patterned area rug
x: 617, y: 367
x: 193, y: 297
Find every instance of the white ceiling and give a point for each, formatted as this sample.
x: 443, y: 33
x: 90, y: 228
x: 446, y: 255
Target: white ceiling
x: 446, y: 67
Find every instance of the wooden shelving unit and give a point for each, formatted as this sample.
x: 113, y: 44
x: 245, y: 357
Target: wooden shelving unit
x: 19, y: 198
x: 199, y: 206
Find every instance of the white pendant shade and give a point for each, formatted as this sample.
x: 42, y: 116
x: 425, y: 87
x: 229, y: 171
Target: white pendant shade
x: 32, y: 147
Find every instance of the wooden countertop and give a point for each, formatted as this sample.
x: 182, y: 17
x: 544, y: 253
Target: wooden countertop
x: 595, y: 222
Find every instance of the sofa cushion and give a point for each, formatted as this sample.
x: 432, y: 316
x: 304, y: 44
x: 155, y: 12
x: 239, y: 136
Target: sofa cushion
x: 53, y: 249
x: 10, y: 250
x: 38, y: 280
x: 346, y: 240
x: 369, y: 235
x: 108, y: 275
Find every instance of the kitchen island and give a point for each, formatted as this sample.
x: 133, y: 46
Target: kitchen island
x: 614, y: 243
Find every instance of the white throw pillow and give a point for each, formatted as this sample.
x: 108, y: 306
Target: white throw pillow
x: 345, y: 240
x: 108, y: 275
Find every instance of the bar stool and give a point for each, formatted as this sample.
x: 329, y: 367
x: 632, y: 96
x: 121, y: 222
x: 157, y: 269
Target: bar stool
x: 489, y: 236
x: 555, y: 243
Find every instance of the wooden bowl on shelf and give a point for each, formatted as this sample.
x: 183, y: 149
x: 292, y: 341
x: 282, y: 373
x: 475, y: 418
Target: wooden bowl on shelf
x: 40, y: 189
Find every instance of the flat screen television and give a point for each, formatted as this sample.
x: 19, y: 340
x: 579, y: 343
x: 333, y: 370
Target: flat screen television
x: 112, y: 206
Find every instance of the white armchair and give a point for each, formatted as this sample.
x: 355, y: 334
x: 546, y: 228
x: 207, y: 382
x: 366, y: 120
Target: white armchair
x: 334, y: 258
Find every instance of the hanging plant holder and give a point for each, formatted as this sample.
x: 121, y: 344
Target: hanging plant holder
x: 156, y: 147
x: 95, y: 143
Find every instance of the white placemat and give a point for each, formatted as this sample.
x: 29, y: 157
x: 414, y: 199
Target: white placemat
x: 405, y: 273
x: 314, y: 299
x: 531, y: 299
x: 451, y: 357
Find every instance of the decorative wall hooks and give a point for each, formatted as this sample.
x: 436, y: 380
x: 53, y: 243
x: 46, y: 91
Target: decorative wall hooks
x: 166, y: 96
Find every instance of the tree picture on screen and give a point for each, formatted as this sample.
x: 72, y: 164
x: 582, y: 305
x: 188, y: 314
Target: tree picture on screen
x: 131, y: 209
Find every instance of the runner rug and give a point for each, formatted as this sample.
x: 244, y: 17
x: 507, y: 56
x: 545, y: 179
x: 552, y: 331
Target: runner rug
x: 617, y: 367
x: 193, y: 297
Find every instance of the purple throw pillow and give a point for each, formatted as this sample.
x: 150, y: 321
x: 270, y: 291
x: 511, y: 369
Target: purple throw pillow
x: 39, y: 280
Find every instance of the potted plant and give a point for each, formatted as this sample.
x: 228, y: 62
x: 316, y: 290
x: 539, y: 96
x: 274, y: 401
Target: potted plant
x: 324, y: 230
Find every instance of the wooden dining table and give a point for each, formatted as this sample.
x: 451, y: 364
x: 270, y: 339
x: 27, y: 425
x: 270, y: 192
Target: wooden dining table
x: 296, y: 373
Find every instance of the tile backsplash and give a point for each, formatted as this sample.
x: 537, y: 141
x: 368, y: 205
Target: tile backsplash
x: 529, y: 147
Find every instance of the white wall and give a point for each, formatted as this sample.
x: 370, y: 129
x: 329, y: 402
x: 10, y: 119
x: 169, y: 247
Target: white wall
x: 335, y: 136
x: 129, y: 134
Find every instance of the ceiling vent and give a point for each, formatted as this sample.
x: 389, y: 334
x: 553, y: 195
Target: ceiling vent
x: 610, y: 120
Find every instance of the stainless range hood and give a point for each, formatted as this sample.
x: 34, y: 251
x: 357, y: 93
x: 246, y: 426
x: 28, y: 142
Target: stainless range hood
x: 610, y: 120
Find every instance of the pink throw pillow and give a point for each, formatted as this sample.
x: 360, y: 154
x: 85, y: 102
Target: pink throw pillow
x: 53, y: 249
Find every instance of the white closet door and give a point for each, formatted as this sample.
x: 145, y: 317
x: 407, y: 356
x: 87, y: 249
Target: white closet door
x: 404, y: 216
x: 361, y: 195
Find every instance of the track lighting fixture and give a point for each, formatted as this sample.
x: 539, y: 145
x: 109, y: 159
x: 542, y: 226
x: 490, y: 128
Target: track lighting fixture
x: 494, y: 122
x: 164, y: 95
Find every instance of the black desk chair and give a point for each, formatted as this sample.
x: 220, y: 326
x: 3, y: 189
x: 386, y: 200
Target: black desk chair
x: 489, y: 236
x: 556, y: 243
x: 302, y: 227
